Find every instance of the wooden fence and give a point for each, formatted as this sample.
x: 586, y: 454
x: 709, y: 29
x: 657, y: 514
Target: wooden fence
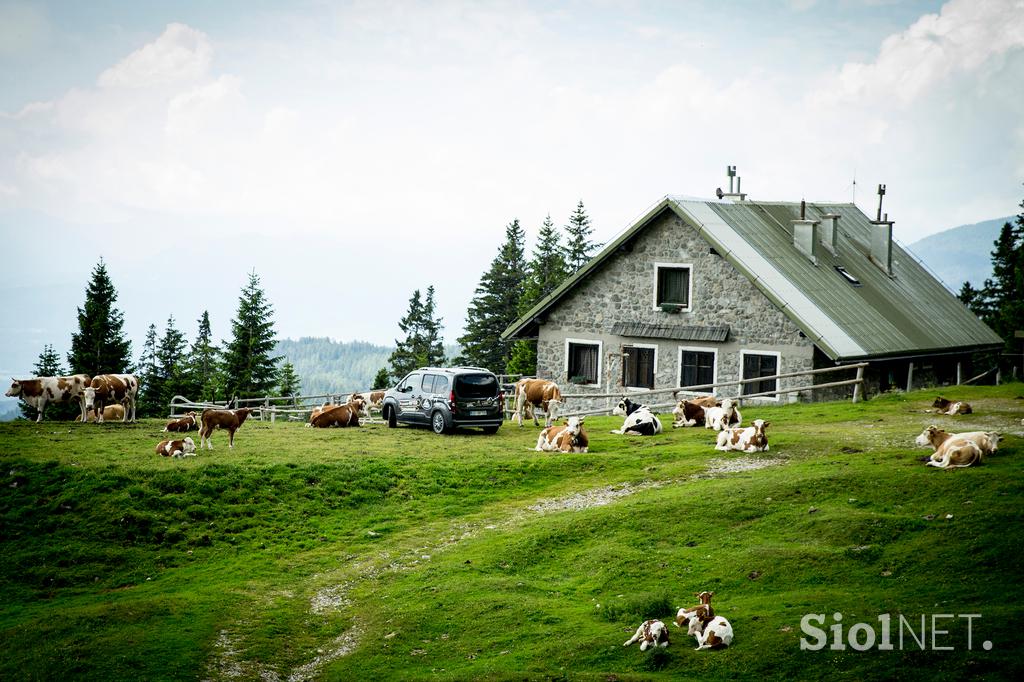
x: 268, y: 408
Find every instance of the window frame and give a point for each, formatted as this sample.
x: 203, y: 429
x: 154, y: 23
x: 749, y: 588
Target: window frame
x: 714, y: 365
x: 600, y: 359
x: 658, y: 267
x: 777, y: 397
x: 654, y: 376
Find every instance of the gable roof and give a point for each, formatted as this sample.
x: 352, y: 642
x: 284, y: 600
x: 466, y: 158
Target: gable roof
x: 910, y: 313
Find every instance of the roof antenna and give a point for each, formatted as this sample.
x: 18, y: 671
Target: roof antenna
x: 731, y: 172
x: 853, y: 200
x: 881, y: 193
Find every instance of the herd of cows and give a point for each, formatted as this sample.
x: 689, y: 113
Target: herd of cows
x: 107, y: 397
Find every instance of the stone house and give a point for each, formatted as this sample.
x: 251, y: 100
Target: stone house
x: 713, y: 291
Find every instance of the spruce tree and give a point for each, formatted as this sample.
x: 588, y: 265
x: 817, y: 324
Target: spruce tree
x: 495, y: 305
x: 579, y: 247
x: 100, y: 346
x: 422, y: 345
x: 150, y: 383
x: 545, y: 272
x: 382, y: 380
x: 288, y: 382
x: 249, y: 368
x: 172, y: 365
x: 430, y: 352
x: 206, y: 381
x: 1005, y: 291
x: 49, y: 365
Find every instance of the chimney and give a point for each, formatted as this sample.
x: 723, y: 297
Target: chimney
x: 805, y: 235
x: 881, y: 237
x: 736, y: 194
x: 830, y: 232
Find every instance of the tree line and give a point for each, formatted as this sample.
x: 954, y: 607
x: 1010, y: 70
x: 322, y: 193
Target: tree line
x: 168, y: 365
x: 510, y: 287
x: 999, y: 302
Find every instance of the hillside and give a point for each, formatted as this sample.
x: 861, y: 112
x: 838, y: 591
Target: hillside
x: 961, y: 254
x: 378, y: 553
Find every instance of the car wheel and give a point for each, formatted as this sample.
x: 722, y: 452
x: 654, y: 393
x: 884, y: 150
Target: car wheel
x: 438, y: 422
x: 389, y: 415
x: 491, y: 429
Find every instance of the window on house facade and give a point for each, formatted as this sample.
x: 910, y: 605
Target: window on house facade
x: 696, y: 367
x: 672, y: 285
x: 582, y: 362
x: 760, y: 365
x: 638, y: 367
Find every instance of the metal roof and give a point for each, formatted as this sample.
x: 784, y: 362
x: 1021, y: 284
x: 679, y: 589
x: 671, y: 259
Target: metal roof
x: 677, y: 332
x: 909, y: 313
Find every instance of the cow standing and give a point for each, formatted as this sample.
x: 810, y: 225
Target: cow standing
x: 110, y: 413
x: 113, y: 388
x: 533, y: 393
x: 229, y: 420
x: 42, y: 390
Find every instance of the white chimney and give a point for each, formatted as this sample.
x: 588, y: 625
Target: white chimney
x: 830, y: 232
x: 881, y: 237
x: 805, y: 235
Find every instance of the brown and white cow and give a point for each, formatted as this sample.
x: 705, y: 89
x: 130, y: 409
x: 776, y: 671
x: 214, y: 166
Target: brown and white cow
x: 688, y: 413
x: 570, y: 437
x: 713, y: 634
x: 957, y: 450
x: 340, y: 415
x: 229, y: 420
x: 950, y: 407
x: 40, y: 391
x: 113, y: 388
x: 110, y: 413
x: 177, y: 448
x: 533, y: 393
x: 722, y: 417
x: 750, y: 439
x: 374, y: 400
x: 703, y: 611
x: 189, y: 422
x: 650, y: 633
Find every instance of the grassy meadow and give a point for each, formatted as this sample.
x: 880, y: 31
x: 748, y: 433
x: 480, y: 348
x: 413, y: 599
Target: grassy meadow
x: 366, y: 554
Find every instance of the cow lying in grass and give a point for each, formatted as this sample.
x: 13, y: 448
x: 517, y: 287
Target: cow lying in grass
x: 949, y: 407
x: 650, y: 633
x: 177, y: 448
x: 750, y: 439
x: 640, y: 421
x: 340, y: 415
x: 570, y: 437
x: 110, y: 413
x: 189, y: 422
x: 229, y: 420
x: 723, y: 417
x: 713, y: 634
x: 957, y: 450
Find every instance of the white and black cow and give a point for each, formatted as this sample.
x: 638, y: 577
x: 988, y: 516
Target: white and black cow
x: 640, y: 421
x: 40, y: 391
x: 113, y: 388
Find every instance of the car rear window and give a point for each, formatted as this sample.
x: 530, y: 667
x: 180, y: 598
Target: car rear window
x: 476, y: 386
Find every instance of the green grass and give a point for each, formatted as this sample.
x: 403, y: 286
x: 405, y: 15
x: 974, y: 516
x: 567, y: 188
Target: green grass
x: 425, y: 561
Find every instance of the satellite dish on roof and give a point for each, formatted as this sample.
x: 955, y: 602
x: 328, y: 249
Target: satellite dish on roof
x: 719, y: 193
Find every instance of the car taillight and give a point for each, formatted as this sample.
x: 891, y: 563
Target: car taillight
x: 451, y: 401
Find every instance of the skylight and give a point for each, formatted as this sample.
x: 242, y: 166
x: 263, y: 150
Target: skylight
x: 847, y: 276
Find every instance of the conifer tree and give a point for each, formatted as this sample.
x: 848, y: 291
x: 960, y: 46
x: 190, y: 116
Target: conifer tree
x: 495, y: 305
x: 49, y: 365
x: 288, y: 382
x: 100, y: 346
x: 430, y: 352
x: 1005, y: 290
x: 148, y: 371
x: 545, y: 271
x: 249, y: 368
x: 579, y: 247
x: 382, y: 380
x: 172, y: 365
x: 422, y: 345
x: 206, y: 381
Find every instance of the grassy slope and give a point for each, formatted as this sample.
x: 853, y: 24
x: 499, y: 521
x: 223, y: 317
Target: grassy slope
x: 422, y: 550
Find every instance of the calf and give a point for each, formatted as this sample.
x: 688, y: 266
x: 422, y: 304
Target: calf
x: 950, y: 407
x: 340, y: 415
x: 713, y: 634
x: 229, y: 420
x: 750, y: 439
x: 110, y: 413
x: 533, y: 393
x: 650, y: 633
x: 42, y: 390
x: 176, y: 448
x: 688, y: 413
x: 374, y: 400
x: 318, y: 410
x: 568, y: 438
x: 187, y: 423
x: 723, y: 417
x: 957, y: 450
x: 640, y: 421
x: 113, y: 388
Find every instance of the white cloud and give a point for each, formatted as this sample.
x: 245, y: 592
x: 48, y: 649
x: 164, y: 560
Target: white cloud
x: 181, y: 53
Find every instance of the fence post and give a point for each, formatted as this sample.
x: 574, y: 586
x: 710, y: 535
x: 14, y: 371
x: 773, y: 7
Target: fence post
x: 273, y: 416
x: 959, y: 375
x: 858, y: 387
x: 910, y: 376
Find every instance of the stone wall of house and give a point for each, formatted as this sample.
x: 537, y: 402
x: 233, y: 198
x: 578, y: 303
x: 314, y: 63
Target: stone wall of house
x: 622, y: 290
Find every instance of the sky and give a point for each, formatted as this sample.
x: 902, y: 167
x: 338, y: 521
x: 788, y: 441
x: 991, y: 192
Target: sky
x: 352, y: 152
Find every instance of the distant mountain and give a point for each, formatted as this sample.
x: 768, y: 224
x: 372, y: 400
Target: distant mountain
x: 961, y: 254
x: 328, y: 366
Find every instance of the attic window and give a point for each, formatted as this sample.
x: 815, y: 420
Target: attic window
x: 847, y: 276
